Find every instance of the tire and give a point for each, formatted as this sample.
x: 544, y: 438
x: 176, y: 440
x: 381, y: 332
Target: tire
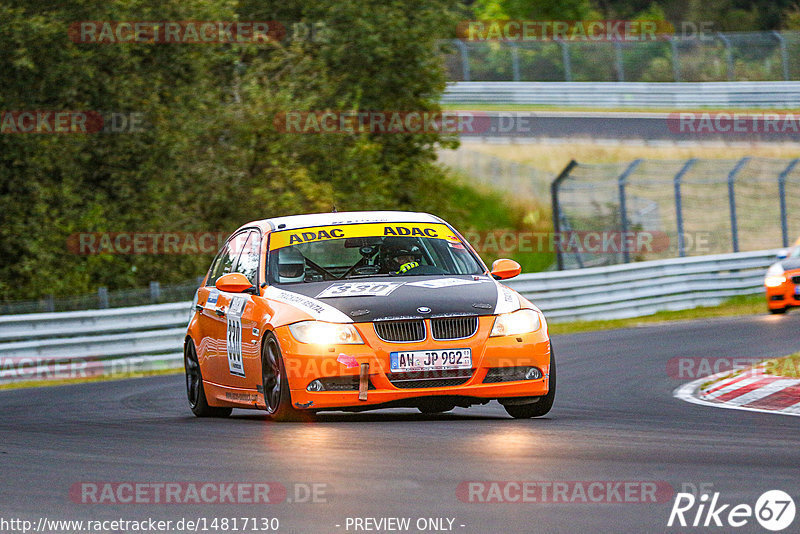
x: 194, y: 386
x: 777, y: 311
x: 543, y: 405
x: 277, y: 398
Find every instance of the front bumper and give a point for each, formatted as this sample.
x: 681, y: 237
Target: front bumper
x: 307, y: 362
x: 784, y: 295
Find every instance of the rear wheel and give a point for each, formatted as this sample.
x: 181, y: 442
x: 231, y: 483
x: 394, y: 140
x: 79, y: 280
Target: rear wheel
x: 194, y: 386
x: 277, y: 397
x: 777, y: 311
x: 543, y: 405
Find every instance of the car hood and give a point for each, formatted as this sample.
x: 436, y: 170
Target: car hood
x: 413, y: 298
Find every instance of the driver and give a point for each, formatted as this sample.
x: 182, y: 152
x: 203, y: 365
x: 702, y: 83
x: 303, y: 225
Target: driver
x: 400, y: 255
x: 291, y: 265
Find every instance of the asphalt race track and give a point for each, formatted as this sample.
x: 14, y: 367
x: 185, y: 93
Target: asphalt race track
x: 622, y: 126
x: 614, y: 420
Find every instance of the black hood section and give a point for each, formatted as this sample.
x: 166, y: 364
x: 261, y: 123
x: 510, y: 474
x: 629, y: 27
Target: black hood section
x: 402, y: 303
x: 790, y: 264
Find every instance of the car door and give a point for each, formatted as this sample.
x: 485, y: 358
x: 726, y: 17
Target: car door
x: 240, y: 349
x: 214, y: 321
x: 207, y: 322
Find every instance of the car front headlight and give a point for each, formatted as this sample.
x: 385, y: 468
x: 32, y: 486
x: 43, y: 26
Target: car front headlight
x: 322, y: 333
x: 775, y: 276
x: 515, y: 323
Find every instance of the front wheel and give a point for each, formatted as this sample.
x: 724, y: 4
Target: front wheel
x: 277, y: 398
x: 777, y: 311
x: 194, y: 386
x: 543, y: 405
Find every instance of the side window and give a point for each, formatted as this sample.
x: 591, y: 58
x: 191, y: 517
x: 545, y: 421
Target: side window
x: 225, y: 260
x: 248, y: 260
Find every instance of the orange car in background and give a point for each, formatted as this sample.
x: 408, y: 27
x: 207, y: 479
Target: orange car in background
x: 362, y: 310
x: 782, y: 282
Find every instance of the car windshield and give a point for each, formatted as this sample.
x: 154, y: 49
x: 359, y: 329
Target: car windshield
x: 368, y: 250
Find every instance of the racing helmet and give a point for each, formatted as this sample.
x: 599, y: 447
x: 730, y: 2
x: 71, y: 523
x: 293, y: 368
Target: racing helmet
x: 397, y: 252
x: 291, y: 265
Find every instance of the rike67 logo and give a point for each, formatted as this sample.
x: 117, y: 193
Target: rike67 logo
x: 774, y: 510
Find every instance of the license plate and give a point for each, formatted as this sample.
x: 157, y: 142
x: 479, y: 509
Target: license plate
x: 430, y: 360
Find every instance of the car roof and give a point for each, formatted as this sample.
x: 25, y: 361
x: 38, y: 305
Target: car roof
x: 293, y: 222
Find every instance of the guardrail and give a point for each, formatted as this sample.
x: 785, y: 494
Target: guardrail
x: 637, y: 289
x: 677, y: 95
x: 144, y: 338
x: 91, y: 343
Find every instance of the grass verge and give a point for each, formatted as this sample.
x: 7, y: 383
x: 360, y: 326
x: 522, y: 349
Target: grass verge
x: 483, y: 211
x: 787, y: 367
x: 745, y: 305
x: 67, y: 381
x: 553, y: 157
x: 784, y: 367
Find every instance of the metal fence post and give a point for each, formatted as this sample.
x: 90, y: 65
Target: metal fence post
x: 732, y: 200
x: 464, y: 52
x: 678, y: 205
x: 728, y: 55
x: 565, y: 60
x: 557, y: 209
x: 676, y: 66
x: 514, y: 61
x: 782, y: 197
x: 155, y: 292
x: 49, y: 303
x: 784, y: 56
x: 618, y: 59
x: 623, y: 210
x: 102, y: 297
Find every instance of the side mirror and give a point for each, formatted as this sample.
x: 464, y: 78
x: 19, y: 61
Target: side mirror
x: 233, y: 283
x: 505, y: 269
x: 783, y: 253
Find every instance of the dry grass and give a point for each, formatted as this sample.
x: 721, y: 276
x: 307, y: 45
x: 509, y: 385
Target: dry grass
x: 788, y: 366
x: 553, y: 157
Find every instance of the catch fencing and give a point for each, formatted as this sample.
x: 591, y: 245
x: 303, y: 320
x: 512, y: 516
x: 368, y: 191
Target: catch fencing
x: 690, y: 207
x: 103, y: 298
x: 703, y: 57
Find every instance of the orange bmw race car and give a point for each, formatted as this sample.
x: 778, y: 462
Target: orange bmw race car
x: 358, y: 311
x: 782, y: 282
